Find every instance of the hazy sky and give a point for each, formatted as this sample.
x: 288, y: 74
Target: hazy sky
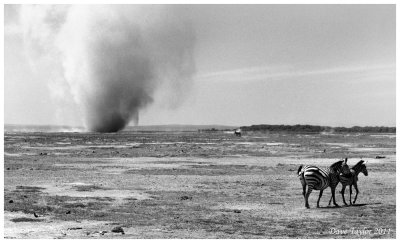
x: 255, y: 64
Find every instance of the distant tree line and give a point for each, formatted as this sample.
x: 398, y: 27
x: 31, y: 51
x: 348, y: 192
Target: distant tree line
x: 317, y: 129
x: 366, y: 129
x: 209, y: 130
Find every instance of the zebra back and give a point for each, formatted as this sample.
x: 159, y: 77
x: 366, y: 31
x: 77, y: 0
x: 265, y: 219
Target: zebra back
x: 348, y: 179
x: 320, y: 178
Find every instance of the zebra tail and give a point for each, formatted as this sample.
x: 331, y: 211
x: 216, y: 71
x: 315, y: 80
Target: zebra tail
x: 299, y: 170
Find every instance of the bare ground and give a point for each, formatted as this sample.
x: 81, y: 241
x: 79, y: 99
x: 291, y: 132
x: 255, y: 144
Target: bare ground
x: 191, y: 185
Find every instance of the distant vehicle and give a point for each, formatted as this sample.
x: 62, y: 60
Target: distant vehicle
x: 238, y: 132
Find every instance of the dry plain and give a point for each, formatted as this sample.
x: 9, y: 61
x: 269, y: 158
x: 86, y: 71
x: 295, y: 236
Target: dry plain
x: 191, y: 185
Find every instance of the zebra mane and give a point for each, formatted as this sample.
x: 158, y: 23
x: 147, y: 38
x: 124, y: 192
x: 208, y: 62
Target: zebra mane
x: 336, y: 165
x: 358, y: 164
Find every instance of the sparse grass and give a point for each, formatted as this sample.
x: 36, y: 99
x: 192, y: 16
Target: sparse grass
x: 23, y: 219
x: 29, y: 189
x: 87, y: 188
x: 222, y: 198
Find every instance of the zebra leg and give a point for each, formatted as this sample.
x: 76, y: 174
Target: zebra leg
x: 356, y: 187
x: 330, y: 200
x: 304, y: 189
x: 342, y: 192
x: 320, y: 195
x: 351, y: 192
x: 333, y: 196
x: 309, y: 190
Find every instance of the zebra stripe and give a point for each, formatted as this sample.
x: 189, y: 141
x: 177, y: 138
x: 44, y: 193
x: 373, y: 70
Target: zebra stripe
x: 316, y: 177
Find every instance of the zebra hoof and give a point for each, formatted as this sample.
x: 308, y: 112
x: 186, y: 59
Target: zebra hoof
x: 336, y: 205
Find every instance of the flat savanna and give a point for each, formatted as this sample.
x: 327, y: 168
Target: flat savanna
x: 191, y: 185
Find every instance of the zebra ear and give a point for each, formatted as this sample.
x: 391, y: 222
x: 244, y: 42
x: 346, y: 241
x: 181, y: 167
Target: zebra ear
x: 345, y: 161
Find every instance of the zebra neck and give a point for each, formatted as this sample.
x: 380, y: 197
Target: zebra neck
x: 356, y: 171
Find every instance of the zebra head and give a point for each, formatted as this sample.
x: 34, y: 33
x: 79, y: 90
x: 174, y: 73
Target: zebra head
x: 361, y: 167
x: 340, y: 167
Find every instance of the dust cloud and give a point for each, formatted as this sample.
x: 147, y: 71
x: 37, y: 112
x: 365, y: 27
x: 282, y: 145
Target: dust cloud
x: 113, y: 57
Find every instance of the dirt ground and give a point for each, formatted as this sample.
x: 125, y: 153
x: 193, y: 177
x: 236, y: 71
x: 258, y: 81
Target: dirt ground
x: 191, y: 185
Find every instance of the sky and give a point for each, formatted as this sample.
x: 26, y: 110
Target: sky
x: 330, y: 65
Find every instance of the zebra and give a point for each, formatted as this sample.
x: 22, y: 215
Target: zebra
x: 238, y: 132
x: 351, y: 180
x: 319, y: 179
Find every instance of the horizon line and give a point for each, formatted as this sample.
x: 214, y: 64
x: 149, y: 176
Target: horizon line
x: 176, y: 124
